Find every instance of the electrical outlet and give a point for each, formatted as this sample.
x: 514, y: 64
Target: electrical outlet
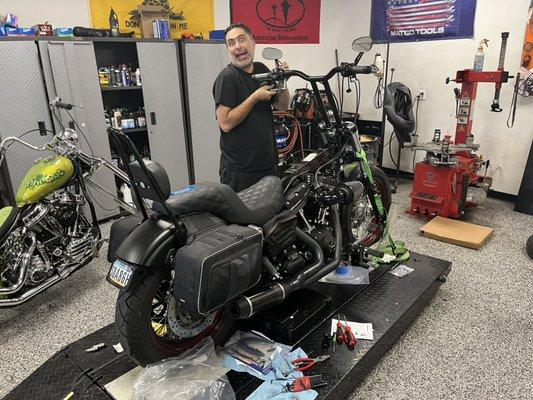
x: 423, y: 93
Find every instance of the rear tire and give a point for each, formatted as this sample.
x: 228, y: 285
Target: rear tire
x: 381, y: 183
x: 133, y: 321
x: 529, y: 247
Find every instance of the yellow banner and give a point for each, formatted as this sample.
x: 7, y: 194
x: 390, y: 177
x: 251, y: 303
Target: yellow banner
x: 185, y: 15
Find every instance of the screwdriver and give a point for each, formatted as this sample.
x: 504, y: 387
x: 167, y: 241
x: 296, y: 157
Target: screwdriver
x: 340, y: 331
x: 351, y: 341
x: 302, y: 383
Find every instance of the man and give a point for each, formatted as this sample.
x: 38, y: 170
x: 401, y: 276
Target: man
x: 244, y: 114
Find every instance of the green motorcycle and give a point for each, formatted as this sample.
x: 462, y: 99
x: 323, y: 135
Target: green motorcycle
x: 46, y: 237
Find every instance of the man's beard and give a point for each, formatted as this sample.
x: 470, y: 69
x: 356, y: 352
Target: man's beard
x: 242, y: 64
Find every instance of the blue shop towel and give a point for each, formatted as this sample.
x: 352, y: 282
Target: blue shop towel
x: 281, y: 364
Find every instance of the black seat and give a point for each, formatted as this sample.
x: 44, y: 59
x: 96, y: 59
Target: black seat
x: 255, y: 205
x: 8, y: 216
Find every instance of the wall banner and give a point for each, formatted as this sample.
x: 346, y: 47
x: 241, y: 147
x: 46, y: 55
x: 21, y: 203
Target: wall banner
x: 415, y: 20
x: 185, y: 16
x: 279, y: 21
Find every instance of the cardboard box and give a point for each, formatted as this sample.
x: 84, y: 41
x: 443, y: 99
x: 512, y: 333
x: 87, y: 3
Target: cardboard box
x: 457, y: 232
x: 63, y: 32
x: 147, y: 15
x: 20, y: 32
x: 43, y: 30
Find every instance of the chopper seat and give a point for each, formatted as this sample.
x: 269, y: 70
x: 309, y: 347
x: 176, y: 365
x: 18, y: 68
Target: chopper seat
x: 254, y: 205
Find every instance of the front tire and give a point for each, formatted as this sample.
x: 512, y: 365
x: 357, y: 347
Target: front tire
x: 358, y: 216
x: 143, y: 338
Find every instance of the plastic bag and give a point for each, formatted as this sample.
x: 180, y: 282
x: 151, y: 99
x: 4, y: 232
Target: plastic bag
x: 196, y: 374
x: 348, y: 275
x: 254, y: 350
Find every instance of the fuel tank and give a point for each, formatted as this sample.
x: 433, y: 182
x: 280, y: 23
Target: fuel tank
x: 44, y: 177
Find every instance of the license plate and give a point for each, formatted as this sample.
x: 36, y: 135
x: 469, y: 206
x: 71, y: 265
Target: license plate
x: 120, y: 274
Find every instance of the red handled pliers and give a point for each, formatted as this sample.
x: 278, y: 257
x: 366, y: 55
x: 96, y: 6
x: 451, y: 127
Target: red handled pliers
x: 306, y: 363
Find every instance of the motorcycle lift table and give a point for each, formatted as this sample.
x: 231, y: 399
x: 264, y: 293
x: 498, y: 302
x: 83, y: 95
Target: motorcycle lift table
x: 388, y: 302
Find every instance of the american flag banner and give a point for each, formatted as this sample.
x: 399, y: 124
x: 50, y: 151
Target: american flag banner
x: 416, y: 20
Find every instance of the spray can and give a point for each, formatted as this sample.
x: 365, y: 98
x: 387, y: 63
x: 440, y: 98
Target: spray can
x: 113, y: 22
x: 138, y: 77
x: 479, y: 57
x: 118, y: 77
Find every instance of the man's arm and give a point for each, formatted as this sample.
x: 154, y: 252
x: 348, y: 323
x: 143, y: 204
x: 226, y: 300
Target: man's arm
x: 229, y: 118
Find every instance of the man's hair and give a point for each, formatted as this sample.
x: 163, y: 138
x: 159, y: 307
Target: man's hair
x: 241, y: 25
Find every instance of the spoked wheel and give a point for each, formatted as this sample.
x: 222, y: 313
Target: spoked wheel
x: 360, y: 224
x: 151, y: 327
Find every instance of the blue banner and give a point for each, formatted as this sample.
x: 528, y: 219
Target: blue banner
x: 395, y: 21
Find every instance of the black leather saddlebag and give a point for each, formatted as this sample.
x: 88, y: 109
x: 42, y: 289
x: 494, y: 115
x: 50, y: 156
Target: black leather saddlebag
x: 216, y: 267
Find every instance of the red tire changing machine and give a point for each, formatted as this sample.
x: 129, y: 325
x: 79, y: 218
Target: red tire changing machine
x: 446, y: 182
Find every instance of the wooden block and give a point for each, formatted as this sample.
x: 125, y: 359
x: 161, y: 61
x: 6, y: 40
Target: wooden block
x: 457, y: 232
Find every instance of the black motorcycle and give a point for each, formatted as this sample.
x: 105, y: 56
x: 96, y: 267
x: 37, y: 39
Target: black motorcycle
x: 204, y: 256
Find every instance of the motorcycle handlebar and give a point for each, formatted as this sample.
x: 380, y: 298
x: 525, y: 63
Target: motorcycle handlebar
x: 345, y: 69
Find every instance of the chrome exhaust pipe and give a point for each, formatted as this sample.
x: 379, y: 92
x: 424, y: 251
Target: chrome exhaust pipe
x: 26, y: 258
x: 30, y: 293
x: 43, y: 286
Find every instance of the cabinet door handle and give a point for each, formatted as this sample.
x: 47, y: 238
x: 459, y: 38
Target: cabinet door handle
x: 152, y: 118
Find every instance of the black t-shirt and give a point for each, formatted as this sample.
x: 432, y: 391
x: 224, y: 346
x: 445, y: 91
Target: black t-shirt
x: 251, y: 145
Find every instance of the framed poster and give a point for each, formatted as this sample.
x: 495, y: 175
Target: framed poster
x: 279, y: 21
x: 415, y: 20
x: 185, y: 16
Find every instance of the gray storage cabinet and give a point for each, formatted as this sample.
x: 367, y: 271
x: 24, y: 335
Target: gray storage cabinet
x: 24, y: 104
x: 201, y: 63
x: 160, y: 75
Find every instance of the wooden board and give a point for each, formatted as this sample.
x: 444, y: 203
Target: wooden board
x: 457, y: 232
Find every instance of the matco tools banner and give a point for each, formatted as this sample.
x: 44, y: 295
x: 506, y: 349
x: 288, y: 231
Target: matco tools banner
x: 279, y: 21
x: 185, y: 16
x: 414, y: 20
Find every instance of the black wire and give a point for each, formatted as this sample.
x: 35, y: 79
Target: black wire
x: 82, y: 134
x: 417, y: 99
x: 378, y: 95
x: 357, y: 95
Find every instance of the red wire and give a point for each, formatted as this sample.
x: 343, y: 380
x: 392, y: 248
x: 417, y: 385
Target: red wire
x: 293, y: 136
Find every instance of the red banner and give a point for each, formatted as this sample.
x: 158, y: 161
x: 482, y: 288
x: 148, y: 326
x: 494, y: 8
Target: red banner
x: 279, y: 21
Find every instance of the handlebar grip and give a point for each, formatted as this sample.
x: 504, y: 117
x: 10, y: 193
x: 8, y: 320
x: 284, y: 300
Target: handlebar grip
x: 66, y: 106
x: 262, y: 77
x: 365, y: 69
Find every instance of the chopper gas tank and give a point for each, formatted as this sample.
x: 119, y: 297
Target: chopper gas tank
x: 44, y: 177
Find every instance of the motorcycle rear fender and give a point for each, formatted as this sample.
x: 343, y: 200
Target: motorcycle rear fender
x: 148, y: 246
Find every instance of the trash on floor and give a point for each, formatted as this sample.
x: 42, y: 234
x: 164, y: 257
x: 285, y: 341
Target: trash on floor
x: 401, y: 270
x: 197, y: 374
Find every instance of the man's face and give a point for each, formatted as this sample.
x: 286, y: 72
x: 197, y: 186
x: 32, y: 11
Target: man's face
x: 241, y: 48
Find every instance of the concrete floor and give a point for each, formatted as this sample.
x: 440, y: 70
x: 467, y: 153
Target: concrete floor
x: 473, y: 341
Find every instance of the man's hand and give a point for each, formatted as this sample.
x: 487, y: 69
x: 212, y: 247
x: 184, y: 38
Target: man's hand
x: 264, y: 93
x: 283, y: 99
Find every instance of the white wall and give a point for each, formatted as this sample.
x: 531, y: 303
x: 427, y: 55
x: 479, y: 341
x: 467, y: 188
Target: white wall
x: 427, y: 64
x: 60, y: 13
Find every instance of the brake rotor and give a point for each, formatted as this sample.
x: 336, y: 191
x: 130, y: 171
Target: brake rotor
x: 180, y: 328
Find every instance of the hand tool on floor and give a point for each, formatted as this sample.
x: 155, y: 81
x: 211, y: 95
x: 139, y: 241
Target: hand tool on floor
x: 340, y: 331
x: 306, y: 363
x: 301, y: 384
x: 351, y: 341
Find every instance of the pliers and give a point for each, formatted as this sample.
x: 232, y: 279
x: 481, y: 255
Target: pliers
x: 306, y: 363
